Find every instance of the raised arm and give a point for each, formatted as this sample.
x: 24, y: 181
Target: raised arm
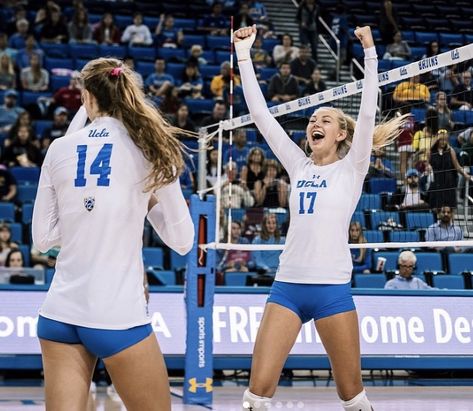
x: 363, y: 135
x: 283, y: 147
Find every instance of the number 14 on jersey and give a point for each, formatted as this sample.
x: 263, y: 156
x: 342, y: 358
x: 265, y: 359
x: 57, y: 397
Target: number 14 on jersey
x: 100, y: 166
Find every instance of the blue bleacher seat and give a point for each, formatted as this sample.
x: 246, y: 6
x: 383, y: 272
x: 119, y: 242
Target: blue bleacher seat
x: 450, y: 281
x: 16, y: 232
x: 382, y: 185
x: 217, y: 42
x: 191, y: 39
x: 181, y: 23
x: 268, y: 45
x: 377, y: 217
x: 53, y: 62
x: 207, y: 72
x: 151, y: 22
x: 26, y: 175
x: 83, y: 51
x: 80, y: 63
x: 469, y: 118
x: 49, y: 274
x: 408, y: 35
x: 142, y: 53
x: 235, y: 279
x: 419, y: 114
x: 369, y: 202
x: 457, y: 263
x: 370, y: 280
x: 55, y: 49
x: 384, y: 65
x: 390, y: 256
x: 31, y: 97
x: 165, y: 277
x: 267, y: 72
x: 26, y: 193
x: 451, y: 39
x: 178, y: 261
x: 200, y: 106
x: 26, y: 252
x: 122, y: 20
x: 415, y: 220
x: 26, y: 213
x: 403, y: 236
x: 167, y: 53
x: 175, y: 69
x: 7, y: 212
x: 357, y: 51
x: 116, y: 51
x: 424, y: 38
x: 41, y: 125
x: 360, y: 217
x: 56, y: 82
x: 145, y: 68
x: 417, y: 52
x: 427, y: 261
x: 373, y: 236
x: 459, y: 116
x: 153, y: 256
x: 223, y: 55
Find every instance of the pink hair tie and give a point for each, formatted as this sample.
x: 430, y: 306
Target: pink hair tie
x: 116, y: 71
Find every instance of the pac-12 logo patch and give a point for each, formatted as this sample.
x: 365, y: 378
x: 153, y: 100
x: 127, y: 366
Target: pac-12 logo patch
x: 89, y: 203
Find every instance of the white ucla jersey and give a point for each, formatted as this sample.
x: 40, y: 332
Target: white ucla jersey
x: 323, y: 198
x: 92, y: 202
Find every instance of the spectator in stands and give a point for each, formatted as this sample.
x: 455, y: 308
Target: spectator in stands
x: 243, y: 19
x: 258, y: 12
x: 236, y: 260
x: 69, y: 96
x: 421, y: 144
x: 388, y: 25
x: 411, y: 91
x: 159, y: 82
x: 192, y: 83
x: 316, y: 83
x: 285, y: 52
x: 6, y: 243
x: 54, y: 29
x: 259, y: 56
x: 5, y: 48
x: 9, y: 111
x: 169, y: 102
x: 7, y: 73
x: 8, y: 187
x: 182, y: 120
x: 433, y: 49
x: 166, y: 34
x: 129, y: 62
x: 195, y: 56
x: 443, y: 173
x: 239, y: 151
x: 405, y: 280
x: 404, y: 142
x: 267, y: 261
x: 44, y: 260
x: 18, y: 39
x: 79, y: 28
x: 57, y: 129
x: 253, y: 170
x: 215, y: 23
x: 340, y: 28
x: 443, y: 115
x: 449, y: 79
x: 35, y: 77
x: 218, y: 113
x: 361, y: 257
x: 23, y: 150
x: 212, y: 167
x: 241, y: 196
x: 106, y: 31
x: 303, y: 66
x: 23, y: 56
x: 24, y: 119
x: 445, y: 230
x: 465, y: 138
x: 462, y: 97
x: 398, y: 49
x: 272, y: 191
x: 15, y: 259
x: 19, y: 13
x: 308, y: 20
x: 222, y: 80
x: 283, y: 85
x: 410, y: 196
x: 137, y: 34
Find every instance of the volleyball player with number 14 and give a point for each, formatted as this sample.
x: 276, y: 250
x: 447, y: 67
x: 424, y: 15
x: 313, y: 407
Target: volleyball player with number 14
x: 313, y: 278
x: 98, y: 184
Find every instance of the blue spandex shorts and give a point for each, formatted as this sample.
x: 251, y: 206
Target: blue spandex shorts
x: 99, y: 342
x: 312, y: 301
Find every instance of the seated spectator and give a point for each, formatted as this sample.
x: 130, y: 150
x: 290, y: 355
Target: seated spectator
x: 462, y: 97
x: 15, y: 259
x: 182, y: 120
x: 236, y: 260
x: 283, y: 85
x: 240, y: 195
x: 398, y: 49
x: 6, y: 243
x: 285, y: 52
x: 410, y: 196
x: 22, y: 151
x: 195, y: 56
x: 12, y: 16
x: 23, y: 56
x: 57, y: 129
x: 5, y: 48
x: 405, y: 280
x: 243, y: 19
x: 303, y: 66
x: 421, y: 144
x: 239, y: 151
x: 449, y: 79
x: 218, y: 113
x: 444, y: 115
x: 8, y: 187
x: 24, y: 119
x: 106, y: 31
x: 361, y: 257
x: 445, y: 230
x: 253, y: 170
x: 7, y: 73
x: 212, y: 167
x: 259, y: 56
x: 222, y: 81
x: 411, y: 90
x: 379, y: 166
x: 128, y: 60
x: 169, y: 103
x: 9, y: 111
x: 79, y: 28
x: 54, y: 29
x: 215, y: 23
x: 159, y: 82
x: 137, y: 34
x: 166, y: 34
x: 192, y: 82
x: 69, y: 96
x: 268, y: 261
x: 316, y: 84
x: 272, y: 191
x: 18, y: 39
x: 35, y: 77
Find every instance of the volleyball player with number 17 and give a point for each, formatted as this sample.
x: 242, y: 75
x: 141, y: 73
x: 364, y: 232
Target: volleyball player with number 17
x: 313, y: 277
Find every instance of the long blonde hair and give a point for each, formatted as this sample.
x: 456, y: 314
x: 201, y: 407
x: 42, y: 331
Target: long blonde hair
x: 117, y: 90
x: 384, y: 133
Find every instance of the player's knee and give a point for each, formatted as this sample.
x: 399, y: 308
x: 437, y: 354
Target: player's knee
x: 359, y: 402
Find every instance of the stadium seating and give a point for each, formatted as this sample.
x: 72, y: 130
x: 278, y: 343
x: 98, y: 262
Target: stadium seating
x: 369, y: 202
x: 153, y: 257
x: 235, y: 279
x: 373, y: 236
x: 415, y: 220
x: 370, y: 280
x: 26, y: 213
x: 381, y: 185
x: 449, y: 281
x: 178, y: 261
x: 459, y: 262
x: 7, y: 212
x: 26, y: 175
x: 427, y: 261
x: 26, y: 193
x: 390, y: 256
x: 403, y: 236
x: 377, y: 217
x: 162, y: 277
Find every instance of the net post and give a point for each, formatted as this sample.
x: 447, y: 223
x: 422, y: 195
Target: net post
x: 201, y: 170
x: 199, y: 298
